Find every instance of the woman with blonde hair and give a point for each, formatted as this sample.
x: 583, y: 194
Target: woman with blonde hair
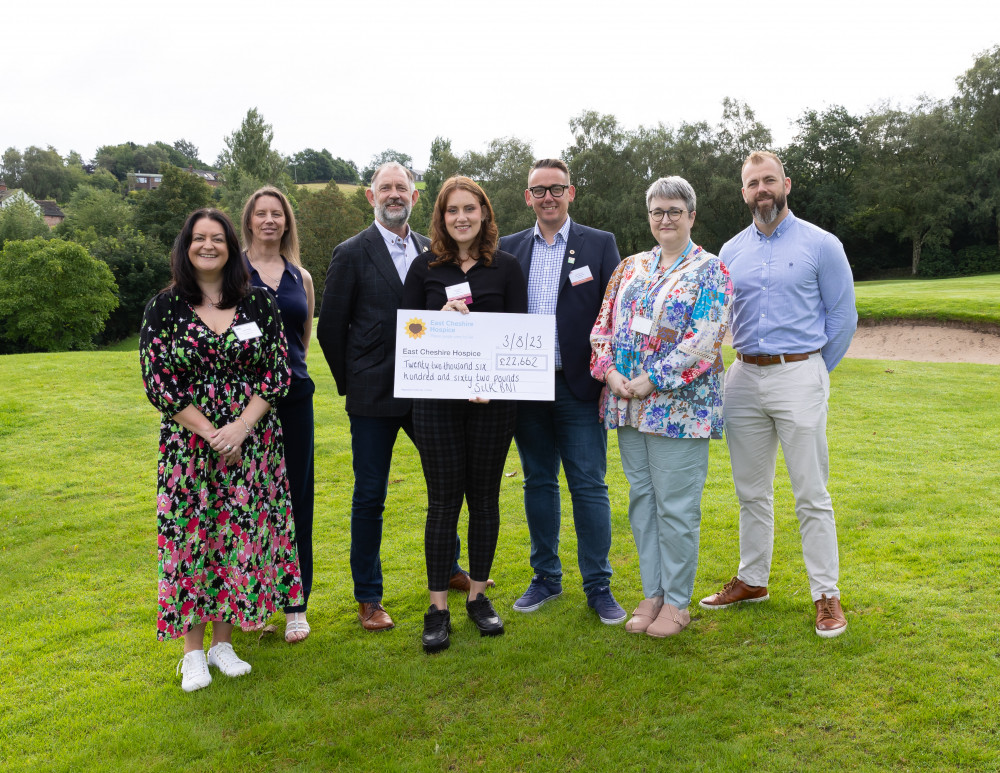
x: 271, y: 245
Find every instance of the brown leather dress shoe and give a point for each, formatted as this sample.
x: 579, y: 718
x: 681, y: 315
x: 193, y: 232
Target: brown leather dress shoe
x: 735, y: 592
x: 461, y: 581
x: 830, y: 620
x: 373, y: 617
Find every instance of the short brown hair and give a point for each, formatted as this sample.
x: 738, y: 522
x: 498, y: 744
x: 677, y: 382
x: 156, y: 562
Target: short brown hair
x: 759, y: 157
x: 550, y: 163
x: 442, y: 245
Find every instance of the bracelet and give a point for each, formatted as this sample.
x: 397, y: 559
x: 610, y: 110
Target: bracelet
x: 247, y: 426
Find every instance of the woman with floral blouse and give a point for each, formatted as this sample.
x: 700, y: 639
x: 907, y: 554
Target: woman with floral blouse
x: 657, y: 345
x: 213, y: 360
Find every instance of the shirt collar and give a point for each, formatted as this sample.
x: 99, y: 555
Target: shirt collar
x: 783, y: 226
x: 563, y: 232
x: 390, y: 237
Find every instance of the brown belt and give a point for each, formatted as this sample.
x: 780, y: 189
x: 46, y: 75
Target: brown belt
x: 774, y: 359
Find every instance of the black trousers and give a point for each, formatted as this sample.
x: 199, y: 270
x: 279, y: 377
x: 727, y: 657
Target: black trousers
x: 463, y: 447
x: 295, y: 412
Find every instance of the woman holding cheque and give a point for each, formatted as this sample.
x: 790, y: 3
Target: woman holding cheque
x: 656, y: 344
x: 213, y: 361
x: 463, y: 443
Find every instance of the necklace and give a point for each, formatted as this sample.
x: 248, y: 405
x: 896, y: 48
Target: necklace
x: 271, y: 280
x: 214, y: 304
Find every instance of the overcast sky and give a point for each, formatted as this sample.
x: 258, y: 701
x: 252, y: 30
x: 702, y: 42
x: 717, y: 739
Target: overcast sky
x: 359, y: 77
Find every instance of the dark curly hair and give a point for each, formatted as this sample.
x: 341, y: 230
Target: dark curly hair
x: 235, y: 277
x: 442, y: 245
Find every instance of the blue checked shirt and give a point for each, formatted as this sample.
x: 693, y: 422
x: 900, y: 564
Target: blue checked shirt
x: 543, y: 278
x: 793, y: 291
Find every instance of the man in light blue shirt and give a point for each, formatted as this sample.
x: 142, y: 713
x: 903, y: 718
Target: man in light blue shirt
x: 793, y: 317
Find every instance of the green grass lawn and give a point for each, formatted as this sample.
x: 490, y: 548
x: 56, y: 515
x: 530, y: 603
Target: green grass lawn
x: 912, y: 685
x: 974, y: 299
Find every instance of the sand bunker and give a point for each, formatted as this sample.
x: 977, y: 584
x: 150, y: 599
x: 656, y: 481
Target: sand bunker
x: 925, y: 343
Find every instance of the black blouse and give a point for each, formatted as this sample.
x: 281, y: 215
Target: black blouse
x: 499, y: 287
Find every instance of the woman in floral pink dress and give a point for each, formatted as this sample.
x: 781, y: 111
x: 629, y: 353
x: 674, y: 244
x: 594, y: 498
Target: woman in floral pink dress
x: 213, y: 360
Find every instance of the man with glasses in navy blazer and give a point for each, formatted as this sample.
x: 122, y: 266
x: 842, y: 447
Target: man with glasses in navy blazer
x: 567, y: 267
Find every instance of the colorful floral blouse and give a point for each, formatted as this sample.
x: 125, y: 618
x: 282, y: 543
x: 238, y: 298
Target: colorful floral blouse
x: 679, y: 347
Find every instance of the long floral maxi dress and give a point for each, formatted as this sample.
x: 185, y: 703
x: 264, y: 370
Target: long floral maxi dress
x: 225, y: 536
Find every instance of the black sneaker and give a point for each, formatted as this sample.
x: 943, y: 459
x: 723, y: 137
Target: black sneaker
x: 485, y: 617
x: 437, y: 626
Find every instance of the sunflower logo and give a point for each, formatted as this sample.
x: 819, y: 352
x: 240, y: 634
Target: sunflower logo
x: 415, y: 328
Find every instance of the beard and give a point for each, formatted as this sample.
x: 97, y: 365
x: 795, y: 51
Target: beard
x: 767, y: 212
x: 390, y: 219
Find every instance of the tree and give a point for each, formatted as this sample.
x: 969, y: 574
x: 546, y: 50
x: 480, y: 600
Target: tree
x: 383, y: 158
x: 311, y: 166
x: 92, y: 213
x: 248, y: 161
x: 19, y: 221
x: 345, y: 172
x: 53, y: 296
x: 325, y: 219
x: 443, y: 164
x: 119, y: 160
x: 189, y: 153
x: 45, y: 176
x: 160, y: 213
x: 141, y: 268
x: 911, y: 186
x: 12, y: 168
x: 977, y: 107
x: 503, y: 172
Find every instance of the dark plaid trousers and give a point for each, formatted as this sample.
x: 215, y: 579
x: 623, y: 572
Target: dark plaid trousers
x: 463, y: 447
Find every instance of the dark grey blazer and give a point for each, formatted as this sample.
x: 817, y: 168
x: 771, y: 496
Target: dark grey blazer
x: 357, y: 323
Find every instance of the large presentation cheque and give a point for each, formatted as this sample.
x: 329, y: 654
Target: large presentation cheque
x: 447, y: 355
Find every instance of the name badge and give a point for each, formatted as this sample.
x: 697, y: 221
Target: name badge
x: 459, y: 292
x: 247, y: 330
x: 580, y: 275
x: 642, y: 325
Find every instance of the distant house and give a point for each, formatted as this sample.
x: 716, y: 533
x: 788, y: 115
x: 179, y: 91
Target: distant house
x: 212, y: 178
x: 51, y: 213
x: 47, y: 210
x: 144, y: 181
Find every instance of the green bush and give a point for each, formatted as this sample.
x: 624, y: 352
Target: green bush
x: 141, y: 269
x: 53, y: 296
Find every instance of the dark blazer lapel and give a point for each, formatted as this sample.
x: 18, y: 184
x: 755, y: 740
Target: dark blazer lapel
x: 379, y: 255
x: 521, y: 249
x: 574, y: 249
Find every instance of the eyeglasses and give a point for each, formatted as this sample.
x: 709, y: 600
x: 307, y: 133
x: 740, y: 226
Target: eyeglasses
x: 673, y: 215
x: 538, y: 191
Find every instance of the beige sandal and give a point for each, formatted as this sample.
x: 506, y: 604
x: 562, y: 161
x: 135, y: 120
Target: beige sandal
x: 670, y: 621
x: 644, y: 614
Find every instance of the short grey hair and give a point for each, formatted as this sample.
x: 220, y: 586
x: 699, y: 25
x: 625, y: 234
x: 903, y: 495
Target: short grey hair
x: 672, y: 188
x: 394, y: 165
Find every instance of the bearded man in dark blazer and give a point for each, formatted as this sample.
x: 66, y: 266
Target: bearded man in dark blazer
x: 357, y: 332
x: 567, y: 266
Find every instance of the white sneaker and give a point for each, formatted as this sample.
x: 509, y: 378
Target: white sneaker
x: 223, y: 658
x: 194, y: 667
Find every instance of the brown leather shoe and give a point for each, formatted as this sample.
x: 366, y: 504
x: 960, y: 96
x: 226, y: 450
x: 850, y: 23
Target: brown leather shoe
x: 830, y: 620
x: 461, y: 581
x: 373, y: 617
x: 734, y: 592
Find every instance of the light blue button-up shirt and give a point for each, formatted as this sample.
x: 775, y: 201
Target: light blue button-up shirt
x: 793, y: 291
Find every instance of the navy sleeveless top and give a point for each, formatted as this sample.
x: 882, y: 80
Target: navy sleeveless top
x: 291, y: 296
